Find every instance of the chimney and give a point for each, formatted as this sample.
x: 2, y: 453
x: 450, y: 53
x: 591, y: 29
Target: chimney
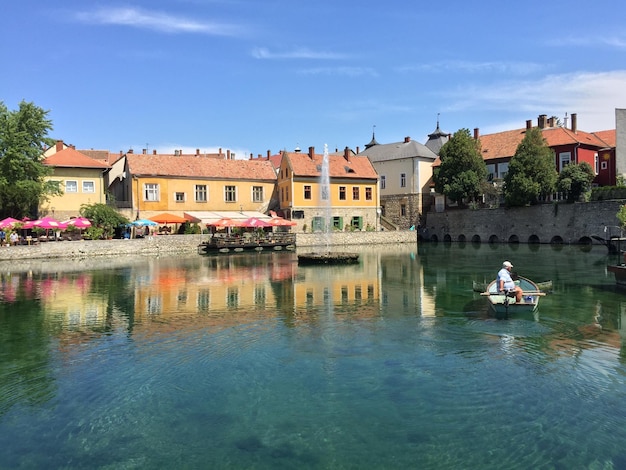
x: 130, y: 151
x: 346, y: 154
x: 144, y: 151
x: 251, y: 157
x: 358, y: 151
x: 219, y: 152
x: 311, y: 152
x: 268, y: 154
x: 227, y: 154
x: 121, y: 153
x: 476, y: 133
x: 197, y: 152
x: 529, y: 124
x: 59, y: 145
x: 551, y: 122
x: 574, y: 117
x: 73, y: 147
x: 407, y: 139
x: 154, y: 152
x: 542, y: 121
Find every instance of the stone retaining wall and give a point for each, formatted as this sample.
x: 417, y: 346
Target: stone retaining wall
x: 172, y: 244
x: 543, y: 223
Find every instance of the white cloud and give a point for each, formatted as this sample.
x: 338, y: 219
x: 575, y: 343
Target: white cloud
x: 298, y: 53
x: 340, y: 71
x: 592, y: 96
x: 516, y: 68
x: 157, y: 21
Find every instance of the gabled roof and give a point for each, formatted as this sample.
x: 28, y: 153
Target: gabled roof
x: 504, y: 144
x: 356, y: 167
x: 398, y: 151
x: 608, y: 137
x: 71, y: 158
x: 199, y: 167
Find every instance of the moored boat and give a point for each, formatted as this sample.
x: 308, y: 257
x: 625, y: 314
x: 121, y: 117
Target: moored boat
x: 503, y: 304
x: 269, y: 242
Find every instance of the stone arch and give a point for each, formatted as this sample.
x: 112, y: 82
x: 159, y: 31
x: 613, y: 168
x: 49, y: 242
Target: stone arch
x: 433, y: 238
x: 533, y: 239
x: 493, y: 239
x: 556, y: 240
x: 447, y: 238
x: 476, y: 239
x: 585, y: 241
x: 513, y: 239
x: 462, y: 238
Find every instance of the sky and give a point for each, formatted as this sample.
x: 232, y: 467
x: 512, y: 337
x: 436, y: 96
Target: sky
x: 253, y: 76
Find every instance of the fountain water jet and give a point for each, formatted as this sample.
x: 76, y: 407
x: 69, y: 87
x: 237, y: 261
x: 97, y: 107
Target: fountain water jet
x: 327, y: 256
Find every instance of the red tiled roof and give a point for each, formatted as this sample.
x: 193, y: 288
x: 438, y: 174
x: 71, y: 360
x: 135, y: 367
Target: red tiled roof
x: 607, y: 136
x: 71, y: 158
x: 200, y: 167
x: 356, y: 167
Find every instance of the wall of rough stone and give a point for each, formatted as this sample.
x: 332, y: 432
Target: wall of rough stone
x: 546, y: 222
x: 172, y: 244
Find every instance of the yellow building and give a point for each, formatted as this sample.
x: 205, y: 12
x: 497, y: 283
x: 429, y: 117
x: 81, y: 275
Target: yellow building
x: 81, y: 178
x: 349, y: 200
x: 147, y: 184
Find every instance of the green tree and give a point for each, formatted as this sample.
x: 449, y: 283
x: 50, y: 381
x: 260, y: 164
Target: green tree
x: 621, y: 216
x: 575, y: 180
x: 531, y: 172
x: 462, y: 173
x: 103, y: 217
x: 23, y: 139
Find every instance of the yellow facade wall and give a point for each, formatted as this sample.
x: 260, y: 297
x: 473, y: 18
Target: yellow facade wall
x: 68, y: 204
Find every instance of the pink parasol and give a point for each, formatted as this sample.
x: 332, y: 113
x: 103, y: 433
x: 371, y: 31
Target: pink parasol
x: 78, y: 222
x: 9, y: 222
x: 46, y: 222
x: 225, y: 222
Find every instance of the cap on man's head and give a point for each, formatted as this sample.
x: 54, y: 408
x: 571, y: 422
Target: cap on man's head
x: 507, y: 264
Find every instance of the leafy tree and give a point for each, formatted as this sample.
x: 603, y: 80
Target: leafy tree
x: 462, y: 173
x: 575, y: 179
x: 23, y: 139
x: 531, y: 172
x: 103, y: 217
x: 621, y: 216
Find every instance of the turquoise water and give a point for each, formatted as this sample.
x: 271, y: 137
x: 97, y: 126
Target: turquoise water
x: 249, y: 361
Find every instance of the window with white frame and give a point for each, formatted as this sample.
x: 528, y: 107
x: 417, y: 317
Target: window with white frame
x: 202, y: 193
x: 565, y: 158
x: 383, y: 181
x: 150, y: 192
x: 230, y: 193
x: 257, y: 193
x: 179, y: 197
x: 89, y: 186
x: 604, y: 165
x: 71, y: 186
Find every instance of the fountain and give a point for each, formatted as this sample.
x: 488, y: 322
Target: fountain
x: 327, y: 256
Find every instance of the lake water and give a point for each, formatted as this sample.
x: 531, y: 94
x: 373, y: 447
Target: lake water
x: 249, y: 361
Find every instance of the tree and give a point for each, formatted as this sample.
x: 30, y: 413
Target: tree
x: 103, y: 217
x: 575, y: 179
x: 462, y: 173
x: 531, y: 172
x: 23, y: 139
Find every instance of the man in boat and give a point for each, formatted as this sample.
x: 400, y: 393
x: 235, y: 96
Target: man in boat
x: 506, y: 284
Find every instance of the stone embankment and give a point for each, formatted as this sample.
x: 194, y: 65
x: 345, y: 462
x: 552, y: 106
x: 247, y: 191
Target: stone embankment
x: 184, y: 244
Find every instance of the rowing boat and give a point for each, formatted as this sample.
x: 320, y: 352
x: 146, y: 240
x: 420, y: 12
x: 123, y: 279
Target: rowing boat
x: 504, y: 304
x: 545, y: 286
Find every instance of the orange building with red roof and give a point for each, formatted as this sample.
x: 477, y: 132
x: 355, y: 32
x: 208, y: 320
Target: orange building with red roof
x: 350, y: 202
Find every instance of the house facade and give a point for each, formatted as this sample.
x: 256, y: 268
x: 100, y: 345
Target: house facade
x: 143, y: 185
x: 81, y: 179
x: 348, y: 199
x: 405, y: 170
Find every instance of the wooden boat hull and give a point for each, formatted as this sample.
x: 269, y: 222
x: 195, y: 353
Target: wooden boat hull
x: 503, y: 305
x: 275, y: 242
x: 619, y: 271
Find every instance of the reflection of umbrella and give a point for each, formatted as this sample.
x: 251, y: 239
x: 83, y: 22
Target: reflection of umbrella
x: 280, y: 222
x: 167, y: 218
x: 225, y: 222
x: 9, y: 222
x: 142, y: 222
x: 78, y: 222
x: 255, y: 222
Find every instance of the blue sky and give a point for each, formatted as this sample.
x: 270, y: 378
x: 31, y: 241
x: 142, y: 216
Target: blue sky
x: 259, y: 75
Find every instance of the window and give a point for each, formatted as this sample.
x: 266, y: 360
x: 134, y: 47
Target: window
x: 257, y: 193
x: 368, y: 194
x: 357, y: 222
x: 202, y: 194
x: 230, y: 194
x: 307, y: 192
x: 337, y: 222
x: 604, y: 165
x: 383, y: 182
x: 403, y: 210
x: 151, y: 192
x: 179, y: 197
x: 89, y: 187
x: 71, y: 186
x: 342, y: 193
x: 355, y: 193
x: 403, y: 180
x: 565, y: 159
x: 596, y: 163
x: 382, y: 211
